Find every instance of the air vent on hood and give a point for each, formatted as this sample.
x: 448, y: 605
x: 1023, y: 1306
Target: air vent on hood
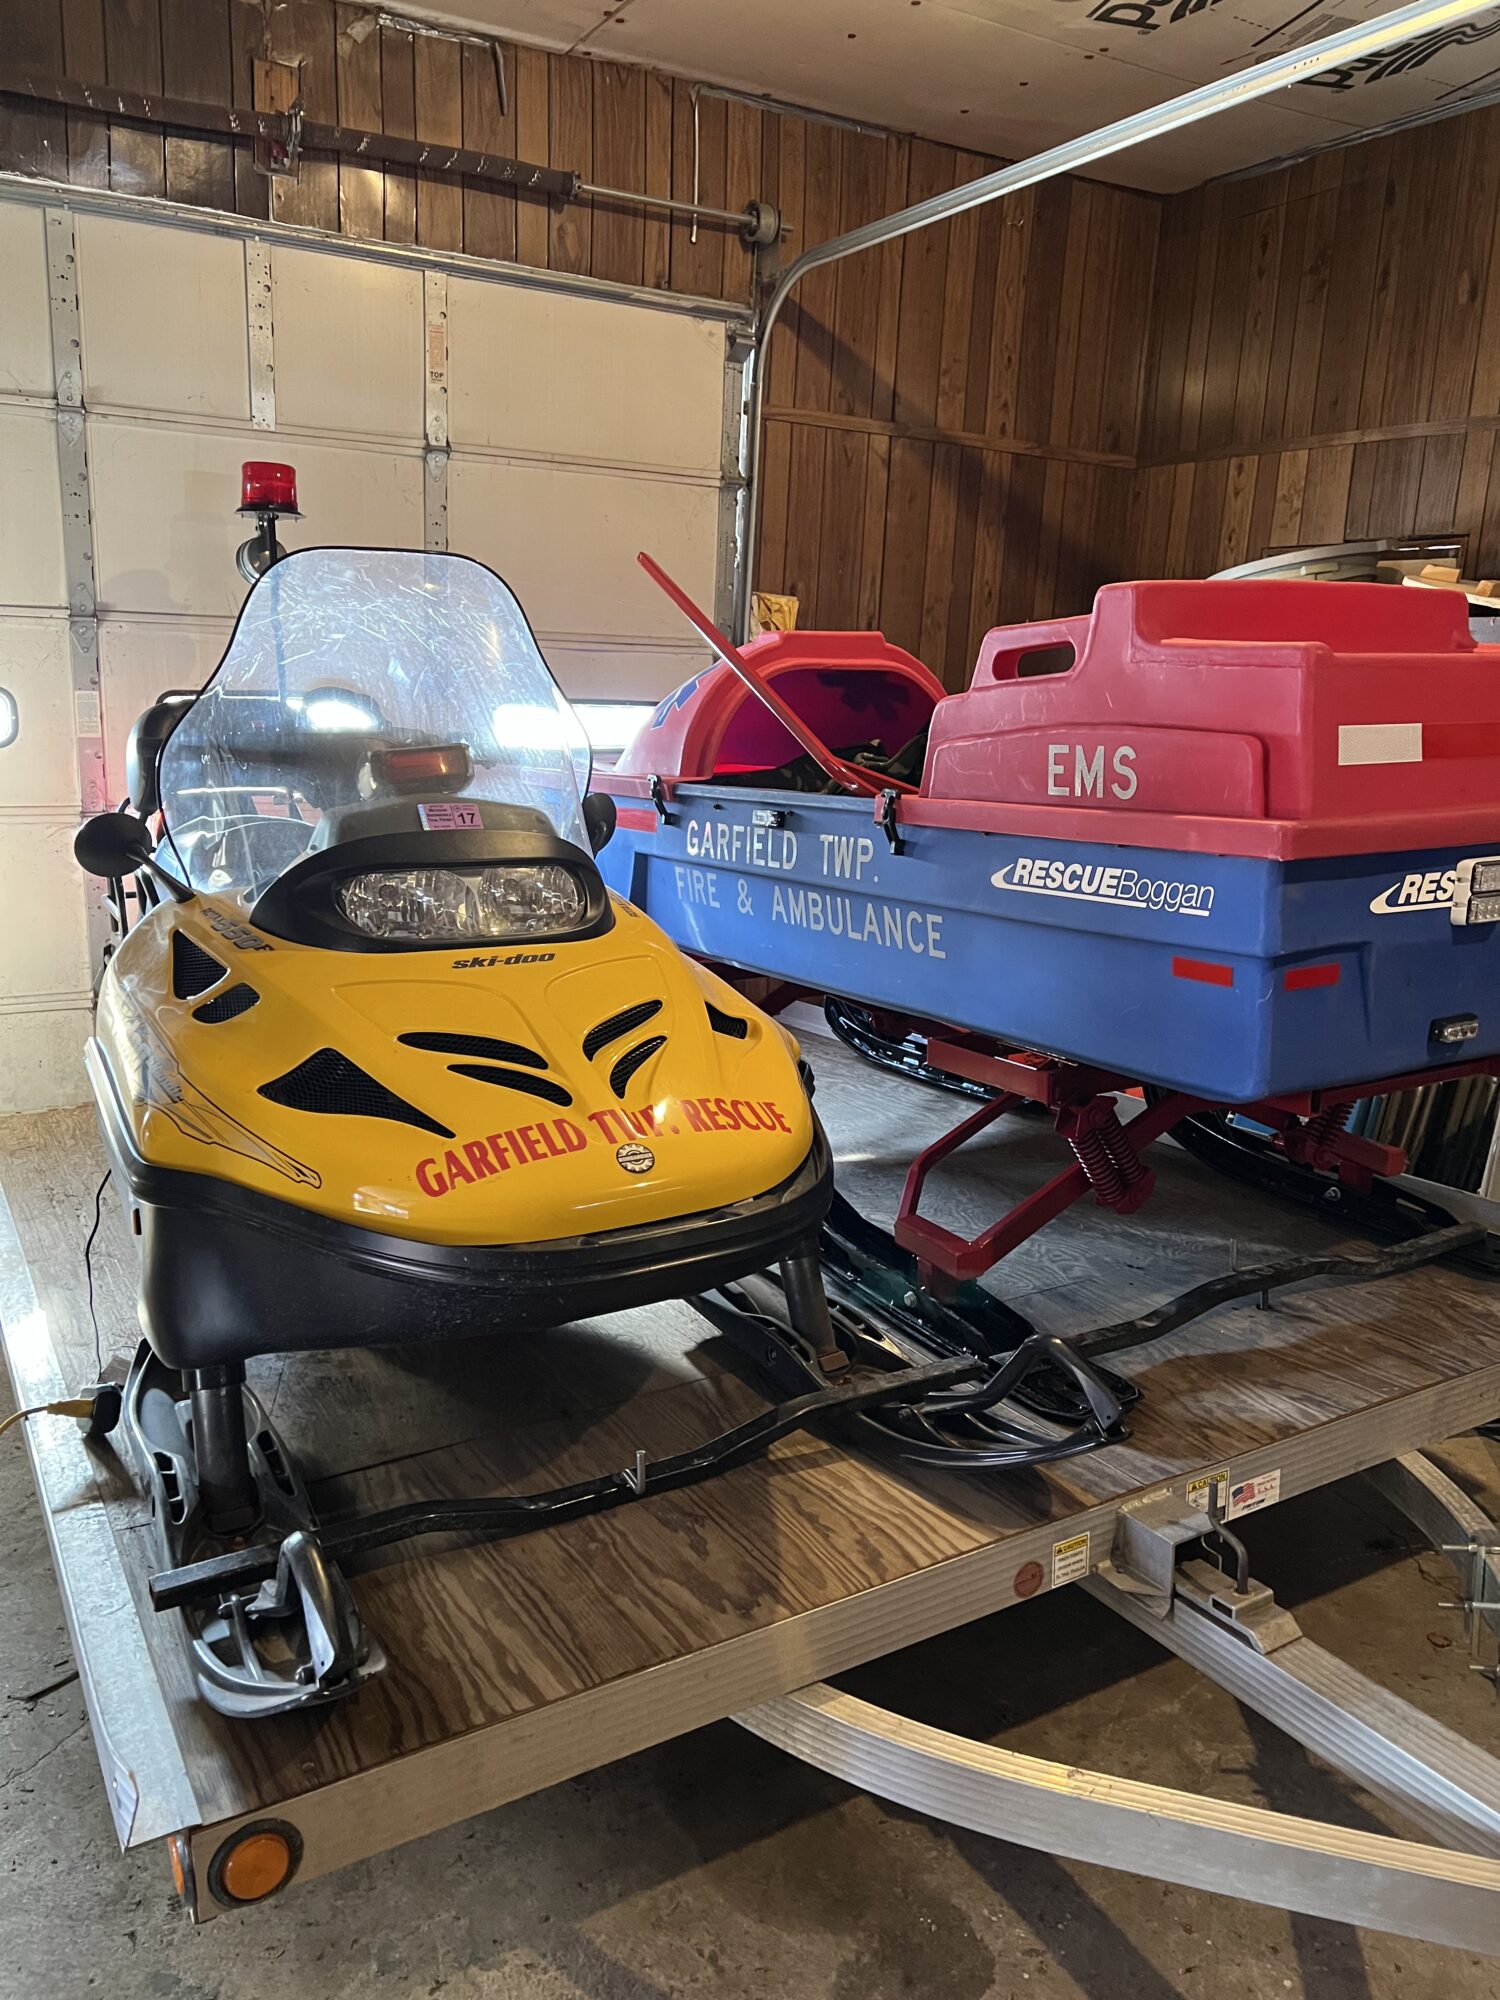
x: 193, y: 971
x: 228, y: 1005
x: 618, y: 1025
x: 329, y: 1083
x: 475, y: 1045
x: 726, y: 1024
x: 515, y: 1079
x: 630, y: 1062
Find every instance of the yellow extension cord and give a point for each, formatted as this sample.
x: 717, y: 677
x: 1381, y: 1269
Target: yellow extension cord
x: 75, y: 1406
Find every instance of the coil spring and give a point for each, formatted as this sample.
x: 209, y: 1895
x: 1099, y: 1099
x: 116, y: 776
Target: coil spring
x: 1323, y: 1126
x: 1122, y: 1152
x: 1094, y: 1154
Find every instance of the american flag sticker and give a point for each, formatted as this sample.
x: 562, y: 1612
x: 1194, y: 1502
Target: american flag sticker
x: 1248, y: 1496
x: 450, y: 816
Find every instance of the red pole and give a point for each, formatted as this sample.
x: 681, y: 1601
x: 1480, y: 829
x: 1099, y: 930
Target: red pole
x: 850, y: 776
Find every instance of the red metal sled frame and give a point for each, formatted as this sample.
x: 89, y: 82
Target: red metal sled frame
x: 1106, y: 1153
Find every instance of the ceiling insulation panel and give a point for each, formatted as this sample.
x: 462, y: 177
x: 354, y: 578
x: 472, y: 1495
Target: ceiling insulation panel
x: 1013, y: 77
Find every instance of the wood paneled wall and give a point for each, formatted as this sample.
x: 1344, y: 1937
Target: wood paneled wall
x: 1325, y: 357
x: 953, y: 419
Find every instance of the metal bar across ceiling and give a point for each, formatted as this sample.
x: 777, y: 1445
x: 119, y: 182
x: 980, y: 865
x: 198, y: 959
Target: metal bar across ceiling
x: 1224, y: 94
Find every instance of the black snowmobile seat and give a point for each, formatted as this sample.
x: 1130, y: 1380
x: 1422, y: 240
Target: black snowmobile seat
x: 143, y: 748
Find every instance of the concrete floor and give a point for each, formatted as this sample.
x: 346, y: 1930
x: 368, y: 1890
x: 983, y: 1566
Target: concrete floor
x: 717, y: 1866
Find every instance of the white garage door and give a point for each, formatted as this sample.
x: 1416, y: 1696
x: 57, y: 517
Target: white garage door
x: 550, y: 427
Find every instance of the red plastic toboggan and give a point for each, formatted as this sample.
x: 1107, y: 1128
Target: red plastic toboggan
x: 714, y: 724
x: 1380, y: 715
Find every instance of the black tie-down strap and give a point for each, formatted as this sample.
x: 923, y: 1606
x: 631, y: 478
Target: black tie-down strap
x: 1334, y: 1267
x: 964, y: 1389
x: 962, y: 1413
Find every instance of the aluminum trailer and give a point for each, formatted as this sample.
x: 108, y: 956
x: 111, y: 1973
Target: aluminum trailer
x: 524, y: 1663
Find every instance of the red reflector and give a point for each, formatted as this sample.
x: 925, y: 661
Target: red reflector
x: 636, y: 819
x: 1203, y: 970
x: 266, y: 484
x: 1299, y: 977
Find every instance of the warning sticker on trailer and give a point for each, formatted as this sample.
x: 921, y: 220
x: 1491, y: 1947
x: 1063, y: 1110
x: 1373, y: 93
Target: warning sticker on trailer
x: 1208, y: 1491
x: 1248, y: 1496
x: 1070, y: 1560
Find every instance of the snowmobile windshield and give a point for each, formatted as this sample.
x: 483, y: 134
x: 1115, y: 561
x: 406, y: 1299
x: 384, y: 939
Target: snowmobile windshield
x: 365, y: 677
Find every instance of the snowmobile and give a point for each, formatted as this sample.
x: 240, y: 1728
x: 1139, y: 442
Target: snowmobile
x: 380, y: 1060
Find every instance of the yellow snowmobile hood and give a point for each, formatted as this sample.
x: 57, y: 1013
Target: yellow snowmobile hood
x: 471, y: 1096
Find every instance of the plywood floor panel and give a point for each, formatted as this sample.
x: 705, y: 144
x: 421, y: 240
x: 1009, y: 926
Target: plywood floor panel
x: 479, y: 1634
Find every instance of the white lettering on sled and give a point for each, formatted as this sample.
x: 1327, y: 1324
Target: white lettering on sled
x: 846, y: 854
x: 1088, y: 777
x: 697, y: 885
x: 738, y: 845
x: 1092, y: 882
x: 1432, y: 891
x: 886, y: 926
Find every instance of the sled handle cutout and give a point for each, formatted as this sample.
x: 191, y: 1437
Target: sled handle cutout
x: 867, y: 784
x: 1040, y: 660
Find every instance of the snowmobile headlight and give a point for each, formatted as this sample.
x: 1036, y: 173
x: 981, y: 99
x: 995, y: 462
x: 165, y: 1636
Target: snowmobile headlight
x: 454, y: 905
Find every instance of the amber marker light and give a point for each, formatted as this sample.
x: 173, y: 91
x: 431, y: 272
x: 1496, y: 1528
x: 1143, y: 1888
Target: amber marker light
x: 255, y: 1862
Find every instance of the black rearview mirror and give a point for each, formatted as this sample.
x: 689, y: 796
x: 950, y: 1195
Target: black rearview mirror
x: 112, y: 844
x: 599, y: 818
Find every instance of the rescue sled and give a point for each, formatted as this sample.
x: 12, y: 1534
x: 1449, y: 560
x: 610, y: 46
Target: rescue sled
x: 1236, y: 843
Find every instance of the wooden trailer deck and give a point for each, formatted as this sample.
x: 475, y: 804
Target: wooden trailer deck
x: 516, y: 1664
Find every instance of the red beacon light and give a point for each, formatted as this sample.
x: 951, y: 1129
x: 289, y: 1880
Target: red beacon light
x: 268, y: 488
x: 267, y: 491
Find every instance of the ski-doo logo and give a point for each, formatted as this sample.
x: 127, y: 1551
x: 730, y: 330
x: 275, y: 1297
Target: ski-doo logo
x: 1432, y: 891
x: 511, y: 958
x: 1087, y: 882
